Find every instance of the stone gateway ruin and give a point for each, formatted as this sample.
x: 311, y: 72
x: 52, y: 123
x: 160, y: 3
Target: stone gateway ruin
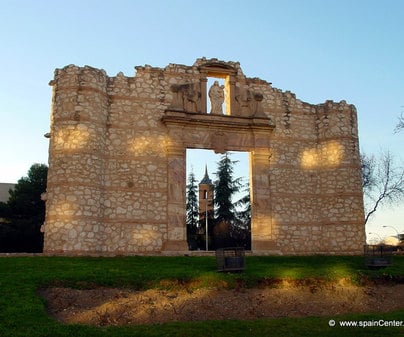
x: 117, y: 158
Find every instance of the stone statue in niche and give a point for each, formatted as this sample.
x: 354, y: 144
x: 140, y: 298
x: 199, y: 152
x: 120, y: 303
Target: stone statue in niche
x: 216, y: 95
x: 186, y: 97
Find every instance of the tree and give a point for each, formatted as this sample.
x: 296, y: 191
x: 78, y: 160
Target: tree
x: 192, y: 209
x: 24, y: 212
x: 225, y: 187
x: 232, y: 218
x: 245, y: 204
x: 368, y: 171
x: 242, y: 232
x: 400, y: 124
x: 382, y: 182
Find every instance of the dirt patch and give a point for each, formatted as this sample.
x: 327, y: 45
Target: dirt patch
x: 106, y: 306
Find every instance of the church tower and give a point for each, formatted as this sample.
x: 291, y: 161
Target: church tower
x: 206, y: 202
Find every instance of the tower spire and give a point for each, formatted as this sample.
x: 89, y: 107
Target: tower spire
x: 206, y: 180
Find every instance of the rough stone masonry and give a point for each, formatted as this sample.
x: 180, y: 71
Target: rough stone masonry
x: 117, y: 153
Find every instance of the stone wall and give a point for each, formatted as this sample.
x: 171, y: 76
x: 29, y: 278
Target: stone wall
x: 116, y: 181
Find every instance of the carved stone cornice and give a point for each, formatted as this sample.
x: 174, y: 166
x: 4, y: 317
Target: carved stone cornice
x: 222, y: 122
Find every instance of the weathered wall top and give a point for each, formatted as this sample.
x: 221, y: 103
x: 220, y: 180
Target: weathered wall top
x: 183, y: 88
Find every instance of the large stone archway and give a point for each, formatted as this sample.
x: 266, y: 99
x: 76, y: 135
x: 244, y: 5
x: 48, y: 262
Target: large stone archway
x: 116, y: 182
x: 221, y: 134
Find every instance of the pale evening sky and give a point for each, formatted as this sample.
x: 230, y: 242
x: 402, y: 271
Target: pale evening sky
x: 318, y: 49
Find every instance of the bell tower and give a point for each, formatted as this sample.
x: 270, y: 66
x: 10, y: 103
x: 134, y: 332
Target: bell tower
x: 206, y: 203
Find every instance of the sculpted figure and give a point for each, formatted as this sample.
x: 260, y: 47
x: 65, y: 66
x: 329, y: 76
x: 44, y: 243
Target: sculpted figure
x: 249, y: 103
x: 244, y: 98
x: 186, y: 97
x: 191, y: 98
x: 216, y: 95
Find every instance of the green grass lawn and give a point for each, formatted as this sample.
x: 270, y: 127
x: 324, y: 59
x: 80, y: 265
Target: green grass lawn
x: 22, y: 311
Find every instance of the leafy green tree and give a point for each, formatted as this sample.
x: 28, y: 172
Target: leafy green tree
x: 192, y: 209
x: 24, y: 212
x: 225, y: 187
x: 232, y: 218
x: 244, y: 214
x: 241, y: 232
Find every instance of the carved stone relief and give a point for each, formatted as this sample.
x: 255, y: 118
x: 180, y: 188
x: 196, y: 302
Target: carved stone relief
x: 219, y: 142
x: 186, y: 97
x: 249, y: 103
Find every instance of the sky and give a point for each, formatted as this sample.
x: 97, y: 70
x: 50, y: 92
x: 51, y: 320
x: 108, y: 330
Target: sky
x: 318, y: 49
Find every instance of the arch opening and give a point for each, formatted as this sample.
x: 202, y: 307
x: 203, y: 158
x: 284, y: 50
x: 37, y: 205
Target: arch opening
x: 204, y: 209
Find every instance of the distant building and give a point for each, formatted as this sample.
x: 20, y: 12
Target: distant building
x: 4, y: 191
x: 205, y: 199
x: 206, y: 202
x: 391, y: 240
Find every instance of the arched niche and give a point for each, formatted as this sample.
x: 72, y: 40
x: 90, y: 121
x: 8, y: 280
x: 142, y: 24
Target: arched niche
x: 223, y: 71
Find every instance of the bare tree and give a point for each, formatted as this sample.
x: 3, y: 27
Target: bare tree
x: 400, y: 124
x: 383, y: 182
x: 368, y: 172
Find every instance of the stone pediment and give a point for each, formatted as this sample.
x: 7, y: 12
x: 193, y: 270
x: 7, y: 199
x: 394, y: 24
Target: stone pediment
x: 229, y: 67
x: 217, y: 68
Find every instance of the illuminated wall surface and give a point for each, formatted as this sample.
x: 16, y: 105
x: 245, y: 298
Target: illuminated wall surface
x: 116, y: 182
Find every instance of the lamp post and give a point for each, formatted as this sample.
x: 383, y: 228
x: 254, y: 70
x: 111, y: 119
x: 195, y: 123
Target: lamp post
x: 398, y: 235
x: 206, y: 221
x: 371, y: 233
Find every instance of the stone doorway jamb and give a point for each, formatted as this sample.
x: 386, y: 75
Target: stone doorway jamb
x: 196, y: 130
